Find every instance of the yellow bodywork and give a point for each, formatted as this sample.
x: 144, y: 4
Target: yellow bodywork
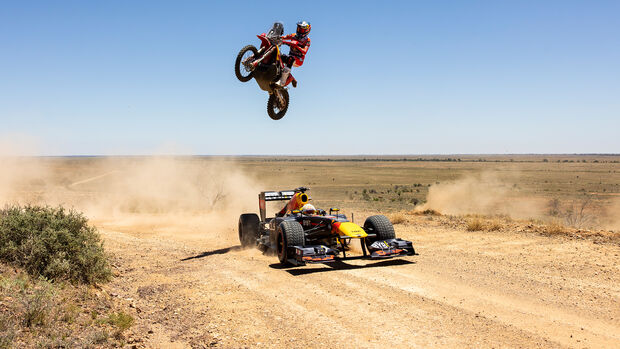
x: 298, y: 201
x: 351, y: 230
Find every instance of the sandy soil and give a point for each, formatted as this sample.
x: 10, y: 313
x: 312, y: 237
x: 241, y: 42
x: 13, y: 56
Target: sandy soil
x: 191, y: 285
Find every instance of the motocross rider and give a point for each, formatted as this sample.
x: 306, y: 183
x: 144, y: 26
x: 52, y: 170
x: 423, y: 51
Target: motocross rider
x: 296, y: 56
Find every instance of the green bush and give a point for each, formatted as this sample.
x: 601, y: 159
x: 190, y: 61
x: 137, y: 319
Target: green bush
x: 52, y: 242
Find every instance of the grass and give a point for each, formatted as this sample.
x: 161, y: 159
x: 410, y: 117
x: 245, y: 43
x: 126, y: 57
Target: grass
x: 120, y: 320
x: 7, y: 332
x: 37, y: 304
x: 475, y: 224
x: 35, y: 312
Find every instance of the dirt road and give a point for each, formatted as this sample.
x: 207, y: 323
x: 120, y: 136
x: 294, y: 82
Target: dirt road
x: 195, y: 287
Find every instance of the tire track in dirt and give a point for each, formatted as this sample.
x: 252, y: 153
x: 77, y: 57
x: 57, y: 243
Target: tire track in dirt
x: 535, y: 317
x: 397, y: 316
x: 464, y: 290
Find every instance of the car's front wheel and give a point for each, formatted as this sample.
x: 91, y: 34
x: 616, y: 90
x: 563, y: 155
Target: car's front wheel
x: 290, y: 233
x: 381, y: 226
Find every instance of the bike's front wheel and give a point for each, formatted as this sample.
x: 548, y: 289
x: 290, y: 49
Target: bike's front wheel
x: 277, y: 105
x: 246, y: 55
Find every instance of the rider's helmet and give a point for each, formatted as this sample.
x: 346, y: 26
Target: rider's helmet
x: 308, y: 209
x: 303, y: 29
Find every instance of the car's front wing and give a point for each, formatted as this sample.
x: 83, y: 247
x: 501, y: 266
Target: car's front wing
x: 312, y: 254
x: 390, y: 248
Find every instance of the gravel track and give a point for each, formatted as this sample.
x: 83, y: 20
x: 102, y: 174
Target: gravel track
x: 195, y: 287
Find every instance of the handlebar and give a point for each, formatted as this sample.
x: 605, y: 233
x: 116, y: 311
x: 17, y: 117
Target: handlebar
x: 291, y: 43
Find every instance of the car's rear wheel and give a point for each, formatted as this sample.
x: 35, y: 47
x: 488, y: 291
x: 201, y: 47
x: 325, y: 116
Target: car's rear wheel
x: 290, y: 233
x: 249, y: 231
x: 381, y: 226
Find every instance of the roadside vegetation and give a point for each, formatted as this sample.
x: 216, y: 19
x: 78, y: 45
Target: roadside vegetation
x: 498, y: 223
x: 52, y: 264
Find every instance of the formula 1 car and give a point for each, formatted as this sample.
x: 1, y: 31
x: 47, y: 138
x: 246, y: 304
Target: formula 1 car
x: 298, y: 238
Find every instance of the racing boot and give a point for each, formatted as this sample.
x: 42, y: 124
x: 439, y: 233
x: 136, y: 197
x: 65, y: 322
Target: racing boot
x: 286, y: 71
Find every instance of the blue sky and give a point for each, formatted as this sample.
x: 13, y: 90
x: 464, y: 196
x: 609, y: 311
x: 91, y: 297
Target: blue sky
x: 389, y: 77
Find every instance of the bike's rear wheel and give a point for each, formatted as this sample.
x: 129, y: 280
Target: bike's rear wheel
x: 247, y: 53
x: 275, y: 108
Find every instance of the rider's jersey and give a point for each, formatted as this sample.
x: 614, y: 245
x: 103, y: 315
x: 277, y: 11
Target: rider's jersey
x: 299, y: 54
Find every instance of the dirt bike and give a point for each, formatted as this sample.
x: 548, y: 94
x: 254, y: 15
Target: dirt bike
x: 265, y: 66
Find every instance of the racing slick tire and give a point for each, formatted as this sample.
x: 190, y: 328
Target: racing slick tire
x: 272, y: 105
x: 239, y: 64
x: 289, y: 233
x: 381, y: 226
x: 249, y: 229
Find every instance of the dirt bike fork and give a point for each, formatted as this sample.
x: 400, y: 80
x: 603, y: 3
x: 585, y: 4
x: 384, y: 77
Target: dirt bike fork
x: 267, y: 54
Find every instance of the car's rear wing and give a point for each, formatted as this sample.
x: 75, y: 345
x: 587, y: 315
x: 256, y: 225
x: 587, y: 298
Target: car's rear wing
x: 283, y: 195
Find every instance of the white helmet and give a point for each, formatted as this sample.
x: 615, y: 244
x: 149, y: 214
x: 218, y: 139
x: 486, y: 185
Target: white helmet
x: 308, y: 209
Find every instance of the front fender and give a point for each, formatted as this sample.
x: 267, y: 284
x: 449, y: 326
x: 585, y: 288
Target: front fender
x: 264, y: 42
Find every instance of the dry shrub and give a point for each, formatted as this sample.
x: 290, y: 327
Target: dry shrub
x: 494, y: 225
x: 53, y: 243
x: 475, y: 224
x: 579, y: 215
x: 99, y: 337
x: 554, y: 207
x: 431, y: 212
x: 555, y: 227
x: 576, y: 214
x: 398, y: 218
x: 425, y: 212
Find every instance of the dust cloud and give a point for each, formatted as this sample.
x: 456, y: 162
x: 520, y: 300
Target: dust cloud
x: 612, y: 216
x: 130, y: 191
x: 160, y: 185
x: 485, y: 193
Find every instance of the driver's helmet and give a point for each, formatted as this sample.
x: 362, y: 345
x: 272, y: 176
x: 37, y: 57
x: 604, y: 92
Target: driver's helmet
x: 308, y: 209
x: 303, y: 29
